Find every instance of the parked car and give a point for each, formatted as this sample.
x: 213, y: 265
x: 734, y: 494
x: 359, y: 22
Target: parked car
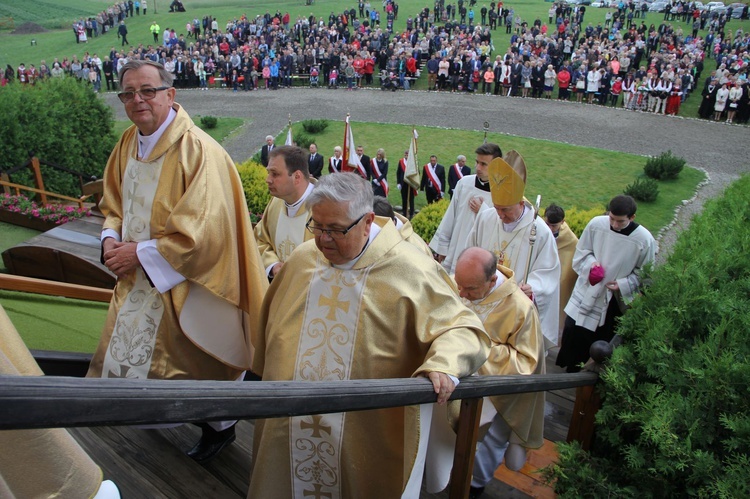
x: 737, y: 10
x: 718, y: 7
x: 600, y: 4
x: 658, y: 7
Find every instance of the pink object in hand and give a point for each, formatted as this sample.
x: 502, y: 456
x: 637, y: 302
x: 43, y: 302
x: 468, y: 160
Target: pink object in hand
x: 596, y: 275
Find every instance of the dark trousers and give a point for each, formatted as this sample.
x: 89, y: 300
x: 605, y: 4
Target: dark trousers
x: 432, y: 195
x: 577, y: 340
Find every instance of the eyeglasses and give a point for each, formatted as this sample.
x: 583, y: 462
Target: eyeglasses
x: 332, y: 233
x: 145, y: 93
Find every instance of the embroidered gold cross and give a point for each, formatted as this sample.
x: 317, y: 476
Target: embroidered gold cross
x: 333, y: 303
x: 316, y: 426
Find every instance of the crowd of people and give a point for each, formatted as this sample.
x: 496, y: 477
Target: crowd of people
x: 622, y: 62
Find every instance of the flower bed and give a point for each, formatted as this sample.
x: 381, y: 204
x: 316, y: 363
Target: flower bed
x: 20, y: 210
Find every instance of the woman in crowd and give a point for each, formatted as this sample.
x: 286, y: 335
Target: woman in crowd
x: 549, y: 81
x: 722, y: 95
x: 526, y: 79
x: 593, y: 78
x: 734, y: 100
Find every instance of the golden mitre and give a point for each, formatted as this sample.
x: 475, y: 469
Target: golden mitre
x: 507, y: 179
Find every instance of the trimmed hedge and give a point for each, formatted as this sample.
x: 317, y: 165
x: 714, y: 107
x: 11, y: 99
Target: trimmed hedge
x: 643, y: 189
x: 426, y: 222
x: 675, y: 420
x: 664, y: 166
x: 61, y: 121
x: 253, y: 176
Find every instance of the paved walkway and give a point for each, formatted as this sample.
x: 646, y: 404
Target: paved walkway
x: 722, y: 150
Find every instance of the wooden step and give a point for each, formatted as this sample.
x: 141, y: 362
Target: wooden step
x: 529, y: 478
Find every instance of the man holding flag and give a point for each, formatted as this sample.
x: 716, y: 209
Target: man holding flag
x: 409, y: 175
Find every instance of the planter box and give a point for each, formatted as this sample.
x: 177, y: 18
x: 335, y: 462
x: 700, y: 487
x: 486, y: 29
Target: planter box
x: 14, y: 218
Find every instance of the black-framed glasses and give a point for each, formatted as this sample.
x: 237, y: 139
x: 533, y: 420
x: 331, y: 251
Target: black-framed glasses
x: 145, y: 93
x: 332, y: 233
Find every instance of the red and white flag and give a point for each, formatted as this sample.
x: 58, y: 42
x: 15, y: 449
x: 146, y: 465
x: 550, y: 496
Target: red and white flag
x: 351, y: 160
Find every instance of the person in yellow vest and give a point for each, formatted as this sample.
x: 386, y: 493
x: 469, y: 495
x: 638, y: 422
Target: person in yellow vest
x: 566, y: 246
x: 155, y: 29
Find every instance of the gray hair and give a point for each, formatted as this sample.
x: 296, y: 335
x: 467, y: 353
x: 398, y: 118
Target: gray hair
x: 461, y: 157
x: 166, y: 77
x: 348, y: 188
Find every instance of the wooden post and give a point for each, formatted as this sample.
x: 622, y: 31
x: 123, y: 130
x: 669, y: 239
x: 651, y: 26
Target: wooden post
x: 466, y: 441
x: 5, y: 178
x: 39, y: 183
x: 586, y: 406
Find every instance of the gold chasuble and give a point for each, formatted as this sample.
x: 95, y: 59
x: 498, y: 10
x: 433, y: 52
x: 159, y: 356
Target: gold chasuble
x: 279, y: 234
x: 566, y: 247
x: 512, y: 322
x: 395, y: 314
x: 39, y: 463
x: 188, y: 197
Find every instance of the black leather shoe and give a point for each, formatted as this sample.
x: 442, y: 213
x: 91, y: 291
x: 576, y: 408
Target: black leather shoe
x: 211, y: 443
x: 475, y: 492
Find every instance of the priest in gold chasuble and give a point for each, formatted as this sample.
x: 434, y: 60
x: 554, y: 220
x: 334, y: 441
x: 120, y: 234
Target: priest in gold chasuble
x: 358, y: 302
x: 177, y: 234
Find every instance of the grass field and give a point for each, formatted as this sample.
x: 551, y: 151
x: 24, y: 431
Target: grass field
x: 60, y: 41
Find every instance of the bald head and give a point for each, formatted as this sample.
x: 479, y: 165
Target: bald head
x: 475, y: 273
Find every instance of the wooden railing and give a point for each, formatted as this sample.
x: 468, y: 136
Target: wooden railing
x: 35, y: 165
x: 58, y: 402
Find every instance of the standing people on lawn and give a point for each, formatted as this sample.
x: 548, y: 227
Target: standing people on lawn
x: 609, y: 257
x: 722, y: 95
x: 379, y: 169
x: 177, y: 235
x: 456, y: 172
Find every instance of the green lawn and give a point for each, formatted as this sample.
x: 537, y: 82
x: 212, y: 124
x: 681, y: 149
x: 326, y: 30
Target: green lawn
x: 224, y: 128
x: 60, y: 41
x: 592, y: 179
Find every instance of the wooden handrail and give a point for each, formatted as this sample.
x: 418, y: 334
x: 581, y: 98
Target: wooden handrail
x: 52, y: 402
x: 44, y: 287
x: 19, y: 187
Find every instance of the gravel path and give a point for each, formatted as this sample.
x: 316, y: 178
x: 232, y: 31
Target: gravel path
x: 723, y: 151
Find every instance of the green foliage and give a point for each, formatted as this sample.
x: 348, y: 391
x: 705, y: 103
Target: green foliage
x: 643, y: 189
x: 253, y: 176
x: 315, y: 126
x: 303, y: 139
x: 208, y: 122
x: 675, y: 419
x: 664, y: 167
x: 426, y: 222
x: 61, y: 121
x: 577, y: 219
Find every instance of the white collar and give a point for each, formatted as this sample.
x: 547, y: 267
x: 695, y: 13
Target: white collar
x: 146, y: 143
x: 293, y: 209
x: 374, y: 231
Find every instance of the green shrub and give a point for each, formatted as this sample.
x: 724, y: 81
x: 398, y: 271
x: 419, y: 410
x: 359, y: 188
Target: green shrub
x: 643, y: 189
x: 303, y: 139
x: 578, y: 219
x: 314, y: 126
x: 664, y: 167
x: 675, y: 418
x: 60, y: 121
x: 253, y: 177
x: 426, y: 222
x: 208, y: 122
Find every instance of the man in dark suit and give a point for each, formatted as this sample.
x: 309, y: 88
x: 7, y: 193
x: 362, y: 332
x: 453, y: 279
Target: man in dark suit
x: 315, y: 162
x: 515, y: 77
x: 433, y: 180
x: 456, y: 172
x: 365, y: 160
x: 266, y: 149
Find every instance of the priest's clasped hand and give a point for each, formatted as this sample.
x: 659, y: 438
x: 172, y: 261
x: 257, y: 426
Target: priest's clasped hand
x: 443, y: 386
x: 120, y: 258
